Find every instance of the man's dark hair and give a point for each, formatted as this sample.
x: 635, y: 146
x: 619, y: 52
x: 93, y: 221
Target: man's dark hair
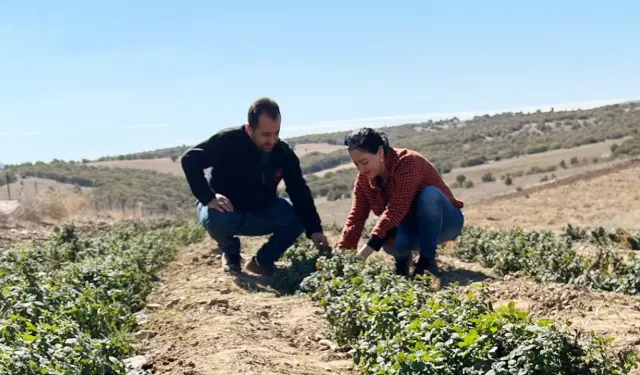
x: 368, y: 140
x: 262, y: 106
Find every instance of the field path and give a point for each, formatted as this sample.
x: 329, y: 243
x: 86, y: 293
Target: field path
x: 204, y: 321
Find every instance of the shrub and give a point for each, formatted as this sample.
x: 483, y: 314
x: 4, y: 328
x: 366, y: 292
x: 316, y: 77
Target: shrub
x: 488, y: 177
x: 68, y: 304
x: 398, y: 326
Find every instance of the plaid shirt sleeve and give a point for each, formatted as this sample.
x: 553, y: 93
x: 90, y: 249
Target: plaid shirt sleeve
x: 357, y: 217
x: 408, y: 176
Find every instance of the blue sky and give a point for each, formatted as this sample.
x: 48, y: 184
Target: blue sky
x: 92, y: 78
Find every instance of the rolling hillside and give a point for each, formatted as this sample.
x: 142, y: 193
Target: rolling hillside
x: 479, y: 158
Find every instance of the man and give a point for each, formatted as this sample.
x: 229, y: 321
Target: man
x: 248, y: 163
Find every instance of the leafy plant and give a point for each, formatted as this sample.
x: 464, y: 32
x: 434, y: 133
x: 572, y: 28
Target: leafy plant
x: 400, y: 326
x: 66, y: 305
x: 547, y: 257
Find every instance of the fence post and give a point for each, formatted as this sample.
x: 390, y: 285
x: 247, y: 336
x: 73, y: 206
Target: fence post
x: 8, y: 187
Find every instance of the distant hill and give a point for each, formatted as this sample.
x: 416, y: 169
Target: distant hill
x: 454, y: 143
x: 449, y: 144
x: 169, y: 152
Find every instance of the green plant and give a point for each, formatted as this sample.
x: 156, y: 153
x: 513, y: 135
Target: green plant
x: 546, y: 257
x: 399, y: 326
x: 66, y: 305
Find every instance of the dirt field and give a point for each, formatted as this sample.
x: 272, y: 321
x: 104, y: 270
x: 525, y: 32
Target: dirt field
x: 206, y: 322
x: 218, y: 325
x: 611, y: 200
x: 212, y: 323
x: 166, y: 165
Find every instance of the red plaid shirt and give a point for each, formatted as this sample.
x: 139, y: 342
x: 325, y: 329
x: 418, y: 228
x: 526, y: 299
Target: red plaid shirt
x: 408, y: 173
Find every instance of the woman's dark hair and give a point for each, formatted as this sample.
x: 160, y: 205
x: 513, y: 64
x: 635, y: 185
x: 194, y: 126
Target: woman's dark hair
x: 366, y: 139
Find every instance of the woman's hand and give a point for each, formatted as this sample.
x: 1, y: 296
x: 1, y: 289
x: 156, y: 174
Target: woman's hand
x: 365, y: 251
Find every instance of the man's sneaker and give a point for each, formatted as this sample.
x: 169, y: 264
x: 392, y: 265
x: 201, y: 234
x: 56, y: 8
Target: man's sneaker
x: 262, y: 269
x: 403, y: 266
x: 231, y: 263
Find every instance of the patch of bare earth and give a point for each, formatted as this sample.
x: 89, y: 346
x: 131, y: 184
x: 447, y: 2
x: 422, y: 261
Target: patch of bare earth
x: 206, y: 321
x: 609, y: 200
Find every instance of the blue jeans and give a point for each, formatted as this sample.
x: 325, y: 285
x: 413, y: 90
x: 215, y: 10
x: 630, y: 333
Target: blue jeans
x: 280, y: 220
x: 437, y: 221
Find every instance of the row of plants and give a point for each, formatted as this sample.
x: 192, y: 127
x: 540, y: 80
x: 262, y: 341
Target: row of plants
x: 67, y: 304
x: 603, y: 236
x: 394, y: 325
x: 551, y: 257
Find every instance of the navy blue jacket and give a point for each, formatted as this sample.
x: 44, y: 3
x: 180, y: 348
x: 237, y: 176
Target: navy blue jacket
x: 238, y: 172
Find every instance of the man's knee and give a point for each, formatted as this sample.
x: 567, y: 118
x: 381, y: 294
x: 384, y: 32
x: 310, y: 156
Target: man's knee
x: 220, y: 224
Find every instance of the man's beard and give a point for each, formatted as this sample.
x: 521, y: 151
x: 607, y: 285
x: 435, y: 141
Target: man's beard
x: 262, y: 147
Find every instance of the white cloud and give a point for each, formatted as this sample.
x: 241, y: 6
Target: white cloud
x: 335, y: 125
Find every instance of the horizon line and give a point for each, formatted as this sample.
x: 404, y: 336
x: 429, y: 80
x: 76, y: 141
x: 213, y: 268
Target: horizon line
x: 386, y: 121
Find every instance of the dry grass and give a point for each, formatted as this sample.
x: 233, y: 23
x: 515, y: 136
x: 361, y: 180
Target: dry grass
x: 482, y: 191
x: 611, y: 200
x: 51, y: 204
x: 30, y: 186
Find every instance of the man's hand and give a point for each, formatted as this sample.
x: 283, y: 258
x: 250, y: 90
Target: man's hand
x: 221, y: 203
x: 320, y: 241
x: 365, y: 251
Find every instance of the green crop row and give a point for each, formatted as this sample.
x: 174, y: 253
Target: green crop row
x: 603, y: 237
x: 395, y: 325
x: 67, y: 305
x: 548, y: 257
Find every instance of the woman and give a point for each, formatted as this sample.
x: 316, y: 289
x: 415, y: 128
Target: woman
x: 417, y: 210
